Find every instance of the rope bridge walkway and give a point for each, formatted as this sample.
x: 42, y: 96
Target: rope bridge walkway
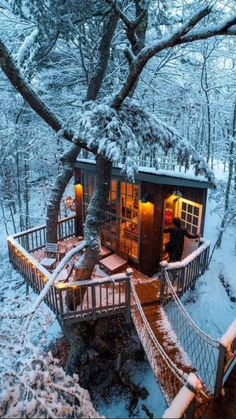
x: 170, y: 365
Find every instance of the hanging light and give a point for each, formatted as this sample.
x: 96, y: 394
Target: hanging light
x: 145, y: 198
x: 177, y: 193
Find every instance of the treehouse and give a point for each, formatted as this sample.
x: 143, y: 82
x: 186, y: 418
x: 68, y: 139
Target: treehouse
x: 137, y: 213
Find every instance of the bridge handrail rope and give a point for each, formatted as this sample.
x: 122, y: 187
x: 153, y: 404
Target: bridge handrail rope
x: 204, y: 335
x: 179, y: 374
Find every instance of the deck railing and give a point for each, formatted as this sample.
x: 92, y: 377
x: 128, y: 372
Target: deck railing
x: 74, y: 301
x: 185, y: 273
x: 35, y: 238
x: 91, y: 299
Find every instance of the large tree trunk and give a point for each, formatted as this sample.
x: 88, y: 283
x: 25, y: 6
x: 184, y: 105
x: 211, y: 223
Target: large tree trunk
x: 69, y: 159
x: 93, y: 223
x: 53, y: 207
x: 95, y: 218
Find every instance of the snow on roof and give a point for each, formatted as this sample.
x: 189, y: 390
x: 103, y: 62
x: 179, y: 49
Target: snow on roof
x: 189, y: 174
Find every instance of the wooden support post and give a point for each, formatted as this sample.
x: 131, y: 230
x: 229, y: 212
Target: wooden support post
x: 129, y: 273
x: 220, y: 370
x: 94, y: 302
x: 163, y: 266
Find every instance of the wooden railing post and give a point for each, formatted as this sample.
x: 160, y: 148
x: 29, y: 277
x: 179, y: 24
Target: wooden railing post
x: 94, y: 302
x: 220, y: 369
x: 129, y: 273
x: 163, y: 266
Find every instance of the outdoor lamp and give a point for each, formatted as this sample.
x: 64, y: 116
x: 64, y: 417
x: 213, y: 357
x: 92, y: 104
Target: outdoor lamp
x: 177, y: 193
x: 145, y: 198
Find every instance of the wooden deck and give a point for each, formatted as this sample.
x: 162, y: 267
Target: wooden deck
x: 73, y: 302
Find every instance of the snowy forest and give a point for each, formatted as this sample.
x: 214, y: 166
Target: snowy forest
x: 117, y: 83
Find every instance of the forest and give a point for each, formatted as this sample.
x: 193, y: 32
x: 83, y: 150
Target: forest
x: 115, y: 83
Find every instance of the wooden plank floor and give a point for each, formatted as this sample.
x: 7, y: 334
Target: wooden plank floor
x: 148, y: 294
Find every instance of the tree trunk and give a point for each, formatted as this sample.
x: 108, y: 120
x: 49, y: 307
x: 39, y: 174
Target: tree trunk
x: 26, y: 192
x: 93, y: 223
x: 53, y: 207
x: 95, y: 218
x: 69, y: 159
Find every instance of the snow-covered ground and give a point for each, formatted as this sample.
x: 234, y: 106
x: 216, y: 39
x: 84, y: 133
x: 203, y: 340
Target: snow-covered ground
x: 117, y: 408
x: 209, y: 305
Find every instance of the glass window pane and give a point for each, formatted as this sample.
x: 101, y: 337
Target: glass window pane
x: 189, y: 218
x: 196, y: 211
x: 194, y: 230
x: 183, y: 215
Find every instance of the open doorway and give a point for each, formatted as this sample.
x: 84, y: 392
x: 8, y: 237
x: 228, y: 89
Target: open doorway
x: 190, y: 213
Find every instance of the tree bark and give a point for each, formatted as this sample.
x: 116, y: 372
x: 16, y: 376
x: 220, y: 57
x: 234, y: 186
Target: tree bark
x: 104, y: 50
x: 53, y: 207
x: 95, y: 218
x: 69, y: 159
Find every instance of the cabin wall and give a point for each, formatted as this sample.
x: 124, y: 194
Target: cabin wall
x: 151, y: 218
x: 150, y: 231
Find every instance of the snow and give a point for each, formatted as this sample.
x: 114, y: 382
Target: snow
x: 131, y: 132
x: 209, y: 305
x: 188, y: 174
x: 183, y: 398
x: 227, y: 339
x: 116, y: 408
x: 27, y: 47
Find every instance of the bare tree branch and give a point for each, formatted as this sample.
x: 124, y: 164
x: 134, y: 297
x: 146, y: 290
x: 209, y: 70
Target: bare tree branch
x: 130, y: 26
x: 120, y: 14
x: 180, y: 36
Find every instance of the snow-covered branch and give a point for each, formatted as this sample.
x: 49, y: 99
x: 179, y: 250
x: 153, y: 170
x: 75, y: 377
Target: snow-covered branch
x: 126, y: 134
x: 34, y: 385
x: 12, y: 72
x: 178, y: 37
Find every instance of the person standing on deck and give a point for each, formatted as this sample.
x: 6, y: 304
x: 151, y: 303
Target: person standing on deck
x: 175, y: 246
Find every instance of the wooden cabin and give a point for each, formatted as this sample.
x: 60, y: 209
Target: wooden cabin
x: 138, y: 212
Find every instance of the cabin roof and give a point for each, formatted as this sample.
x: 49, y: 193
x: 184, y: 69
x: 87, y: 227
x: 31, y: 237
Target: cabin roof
x: 152, y: 175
